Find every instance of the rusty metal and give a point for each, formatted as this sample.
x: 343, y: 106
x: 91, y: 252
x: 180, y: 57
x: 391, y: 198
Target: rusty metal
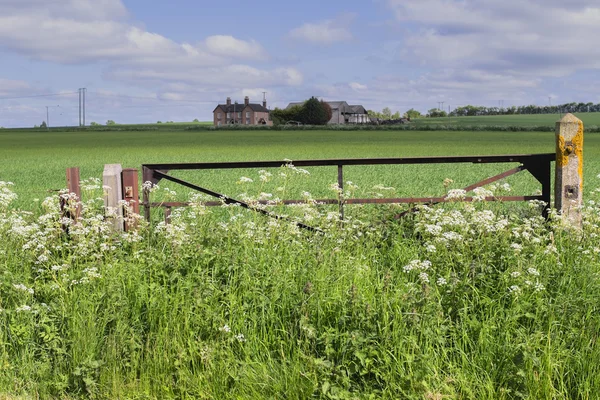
x: 469, y: 188
x: 538, y: 165
x: 229, y: 200
x: 521, y: 158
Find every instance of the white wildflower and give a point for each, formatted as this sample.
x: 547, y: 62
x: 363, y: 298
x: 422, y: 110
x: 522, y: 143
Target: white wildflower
x: 533, y: 271
x: 516, y: 247
x: 441, y: 281
x: 417, y: 264
x: 456, y: 194
x: 23, y: 288
x: 240, y: 337
x: 481, y: 194
x: 225, y: 328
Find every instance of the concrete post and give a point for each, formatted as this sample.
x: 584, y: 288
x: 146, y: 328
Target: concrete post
x: 113, y: 194
x: 568, y: 186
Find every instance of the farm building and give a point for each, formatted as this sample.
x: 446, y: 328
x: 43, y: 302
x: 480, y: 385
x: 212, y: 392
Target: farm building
x: 243, y: 114
x: 343, y: 113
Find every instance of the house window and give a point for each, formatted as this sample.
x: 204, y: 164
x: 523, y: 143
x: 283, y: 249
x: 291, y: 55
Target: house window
x: 218, y: 123
x: 239, y: 114
x: 247, y: 114
x: 248, y: 121
x: 228, y: 115
x: 218, y: 115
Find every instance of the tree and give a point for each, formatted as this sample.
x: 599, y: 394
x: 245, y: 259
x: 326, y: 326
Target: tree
x: 110, y: 122
x: 313, y: 113
x: 94, y: 124
x: 436, y: 113
x: 412, y: 113
x: 328, y: 110
x: 159, y: 122
x: 43, y: 125
x: 396, y: 115
x: 386, y: 113
x: 196, y: 120
x: 281, y: 116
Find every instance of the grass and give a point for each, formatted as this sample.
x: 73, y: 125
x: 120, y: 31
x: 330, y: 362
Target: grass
x: 510, y: 120
x: 464, y: 301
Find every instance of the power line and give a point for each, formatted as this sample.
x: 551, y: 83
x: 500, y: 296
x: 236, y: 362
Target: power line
x: 154, y: 98
x: 38, y: 95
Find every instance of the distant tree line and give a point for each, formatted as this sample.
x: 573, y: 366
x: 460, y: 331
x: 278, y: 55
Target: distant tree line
x: 385, y: 114
x: 470, y: 110
x: 312, y: 112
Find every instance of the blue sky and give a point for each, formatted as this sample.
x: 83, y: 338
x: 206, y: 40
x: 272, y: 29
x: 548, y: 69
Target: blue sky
x: 145, y: 61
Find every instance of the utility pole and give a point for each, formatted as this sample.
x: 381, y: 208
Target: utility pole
x: 48, y: 116
x: 82, y: 93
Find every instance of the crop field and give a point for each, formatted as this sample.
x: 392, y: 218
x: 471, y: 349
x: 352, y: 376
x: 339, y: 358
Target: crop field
x: 36, y: 161
x: 588, y: 119
x: 458, y: 301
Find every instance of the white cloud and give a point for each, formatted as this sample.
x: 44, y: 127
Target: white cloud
x: 95, y: 31
x: 535, y: 38
x: 325, y: 32
x: 228, y: 46
x: 357, y: 86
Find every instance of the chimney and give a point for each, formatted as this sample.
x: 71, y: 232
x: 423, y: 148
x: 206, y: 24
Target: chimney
x: 246, y: 100
x: 265, y: 99
x: 229, y: 101
x: 265, y: 103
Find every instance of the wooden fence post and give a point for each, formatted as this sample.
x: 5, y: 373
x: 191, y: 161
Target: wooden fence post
x: 73, y: 187
x: 130, y: 192
x: 113, y: 193
x: 568, y: 186
x: 67, y: 208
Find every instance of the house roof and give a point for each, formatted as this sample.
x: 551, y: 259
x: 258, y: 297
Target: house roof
x: 241, y: 107
x: 358, y: 109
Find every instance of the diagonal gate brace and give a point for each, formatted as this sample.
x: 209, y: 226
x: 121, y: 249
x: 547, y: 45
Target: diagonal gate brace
x: 229, y: 200
x: 474, y: 186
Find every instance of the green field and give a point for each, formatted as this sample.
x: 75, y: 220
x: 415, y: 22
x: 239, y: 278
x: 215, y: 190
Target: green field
x: 511, y: 120
x: 459, y: 301
x: 36, y: 161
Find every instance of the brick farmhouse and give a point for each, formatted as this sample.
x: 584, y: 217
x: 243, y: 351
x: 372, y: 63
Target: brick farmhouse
x: 243, y: 114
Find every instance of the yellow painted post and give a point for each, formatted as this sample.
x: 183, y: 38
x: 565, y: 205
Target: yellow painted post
x: 568, y: 186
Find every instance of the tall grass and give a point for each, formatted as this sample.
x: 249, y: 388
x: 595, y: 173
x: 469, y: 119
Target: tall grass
x: 459, y: 301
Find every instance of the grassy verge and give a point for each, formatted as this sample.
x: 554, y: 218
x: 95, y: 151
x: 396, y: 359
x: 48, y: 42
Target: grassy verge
x: 464, y: 301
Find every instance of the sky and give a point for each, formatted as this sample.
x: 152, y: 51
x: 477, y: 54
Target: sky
x: 145, y: 61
